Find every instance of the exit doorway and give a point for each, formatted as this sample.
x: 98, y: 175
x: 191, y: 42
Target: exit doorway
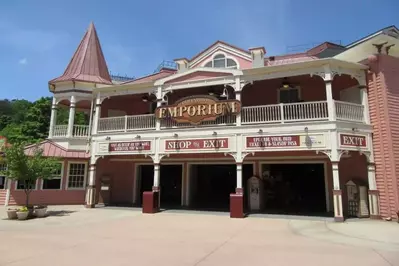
x: 171, y: 176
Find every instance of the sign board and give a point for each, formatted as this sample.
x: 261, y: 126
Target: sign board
x: 130, y: 146
x: 308, y: 141
x: 196, y: 109
x: 352, y: 140
x: 197, y: 144
x: 273, y: 141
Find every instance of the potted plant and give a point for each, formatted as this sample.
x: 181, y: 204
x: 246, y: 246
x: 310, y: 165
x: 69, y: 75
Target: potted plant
x: 40, y: 211
x: 12, y: 213
x: 22, y: 213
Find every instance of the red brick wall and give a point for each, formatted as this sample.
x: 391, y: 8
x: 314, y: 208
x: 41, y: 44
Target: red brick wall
x: 383, y: 82
x: 49, y: 197
x: 121, y: 174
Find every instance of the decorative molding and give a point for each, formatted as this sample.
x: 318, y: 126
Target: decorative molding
x: 342, y: 152
x: 239, y: 157
x: 156, y: 157
x: 326, y: 152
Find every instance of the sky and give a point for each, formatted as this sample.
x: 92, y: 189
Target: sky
x: 38, y: 38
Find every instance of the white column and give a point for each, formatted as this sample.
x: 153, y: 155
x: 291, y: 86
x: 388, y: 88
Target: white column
x: 373, y: 192
x: 91, y: 189
x: 330, y: 101
x: 337, y: 194
x: 239, y: 176
x: 53, y: 118
x: 365, y: 102
x: 159, y: 103
x: 97, y: 115
x: 238, y: 116
x: 71, y: 119
x: 156, y: 176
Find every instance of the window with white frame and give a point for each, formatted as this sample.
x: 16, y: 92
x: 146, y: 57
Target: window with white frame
x: 221, y: 61
x: 289, y: 95
x: 77, y: 175
x: 3, y: 181
x: 55, y: 181
x: 21, y: 184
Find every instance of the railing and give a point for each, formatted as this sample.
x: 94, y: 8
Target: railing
x: 281, y: 113
x: 80, y: 131
x: 265, y: 114
x: 126, y: 123
x: 349, y: 111
x: 60, y: 130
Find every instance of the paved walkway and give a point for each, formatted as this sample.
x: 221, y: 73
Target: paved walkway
x: 78, y: 236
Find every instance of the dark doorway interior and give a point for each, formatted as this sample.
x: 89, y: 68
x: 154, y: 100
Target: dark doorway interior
x: 211, y: 186
x: 170, y: 183
x: 294, y: 189
x: 171, y: 186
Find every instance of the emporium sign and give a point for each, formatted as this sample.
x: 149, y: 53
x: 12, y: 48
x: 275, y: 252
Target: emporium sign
x: 197, y: 144
x: 197, y: 109
x: 273, y: 141
x: 129, y: 146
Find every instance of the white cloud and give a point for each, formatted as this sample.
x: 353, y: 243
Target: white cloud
x: 23, y: 61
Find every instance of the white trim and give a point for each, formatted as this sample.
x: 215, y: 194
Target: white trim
x: 234, y: 72
x: 226, y: 56
x: 19, y: 189
x: 85, y: 175
x: 327, y: 192
x: 61, y: 179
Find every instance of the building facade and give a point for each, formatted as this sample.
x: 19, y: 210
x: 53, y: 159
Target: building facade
x: 311, y: 133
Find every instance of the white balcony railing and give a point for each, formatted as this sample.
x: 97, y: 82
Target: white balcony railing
x: 126, y: 123
x: 349, y: 111
x: 79, y: 131
x: 264, y: 114
x: 60, y: 130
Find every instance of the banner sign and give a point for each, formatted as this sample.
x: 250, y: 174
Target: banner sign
x: 196, y: 109
x: 273, y: 141
x: 197, y: 144
x: 353, y: 140
x: 130, y: 146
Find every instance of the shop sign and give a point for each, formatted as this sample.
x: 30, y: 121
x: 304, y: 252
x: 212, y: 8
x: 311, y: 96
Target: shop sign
x: 197, y: 144
x: 197, y: 109
x: 130, y: 146
x: 273, y: 141
x: 353, y: 140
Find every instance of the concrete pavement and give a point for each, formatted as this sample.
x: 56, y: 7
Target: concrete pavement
x: 104, y: 236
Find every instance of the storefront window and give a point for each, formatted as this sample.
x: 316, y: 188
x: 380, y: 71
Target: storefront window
x: 56, y: 180
x: 76, y: 175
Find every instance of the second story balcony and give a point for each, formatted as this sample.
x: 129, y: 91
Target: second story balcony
x: 261, y: 114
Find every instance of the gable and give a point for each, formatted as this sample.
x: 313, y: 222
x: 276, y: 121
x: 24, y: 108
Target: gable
x: 242, y: 57
x: 50, y: 149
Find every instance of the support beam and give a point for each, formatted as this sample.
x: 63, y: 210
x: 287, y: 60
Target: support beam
x: 365, y: 102
x: 53, y: 118
x: 71, y: 119
x: 337, y: 194
x: 91, y: 189
x: 330, y: 101
x: 97, y: 115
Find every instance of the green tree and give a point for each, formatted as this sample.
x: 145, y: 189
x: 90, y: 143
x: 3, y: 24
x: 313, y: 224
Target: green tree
x: 28, y: 168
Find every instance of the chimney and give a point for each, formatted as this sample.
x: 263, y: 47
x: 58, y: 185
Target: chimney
x: 182, y: 65
x: 258, y: 54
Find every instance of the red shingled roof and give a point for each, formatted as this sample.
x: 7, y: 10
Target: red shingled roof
x: 51, y: 149
x: 153, y: 77
x: 88, y: 63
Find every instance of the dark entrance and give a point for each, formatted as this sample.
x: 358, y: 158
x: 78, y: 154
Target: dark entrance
x: 170, y: 183
x: 294, y: 189
x: 211, y: 185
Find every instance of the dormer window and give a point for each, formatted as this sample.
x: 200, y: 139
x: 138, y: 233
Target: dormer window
x: 221, y: 61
